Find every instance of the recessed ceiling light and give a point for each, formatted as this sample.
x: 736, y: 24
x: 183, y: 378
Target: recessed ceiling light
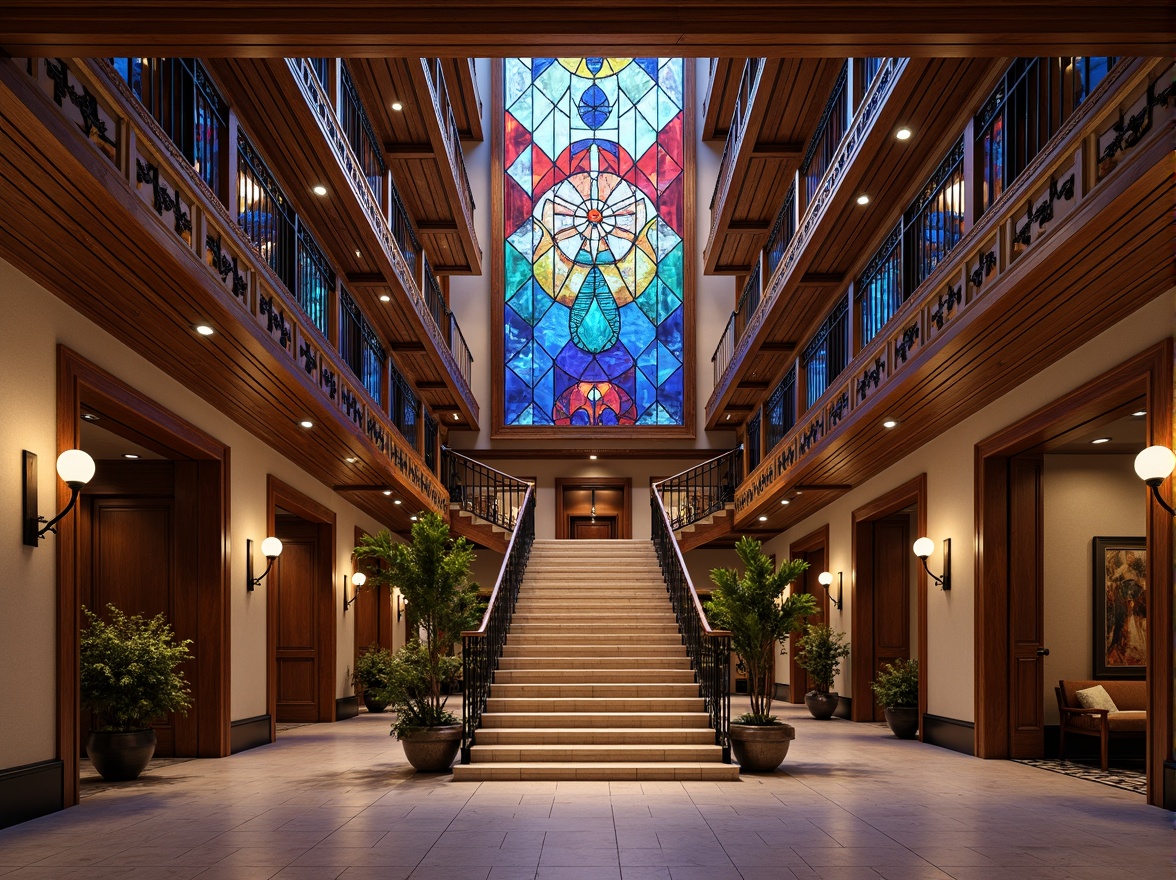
x: 456, y: 417
x: 903, y: 134
x: 728, y: 417
x: 593, y: 457
x: 319, y: 190
x: 413, y: 517
x: 397, y: 501
x: 798, y: 492
x: 890, y: 423
x: 397, y: 106
x: 1101, y: 440
x: 387, y: 491
x: 204, y: 329
x: 351, y: 459
x: 1139, y: 413
x: 384, y: 298
x: 863, y: 199
x: 130, y: 455
x: 306, y: 423
x: 785, y: 501
x: 90, y: 417
x: 763, y: 519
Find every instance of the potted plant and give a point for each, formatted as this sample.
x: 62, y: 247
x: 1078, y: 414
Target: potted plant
x: 433, y: 574
x: 753, y: 607
x: 819, y: 653
x: 128, y: 679
x: 897, y: 690
x: 372, y: 671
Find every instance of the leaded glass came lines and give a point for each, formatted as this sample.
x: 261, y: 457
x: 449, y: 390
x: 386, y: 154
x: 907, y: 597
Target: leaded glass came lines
x: 593, y: 226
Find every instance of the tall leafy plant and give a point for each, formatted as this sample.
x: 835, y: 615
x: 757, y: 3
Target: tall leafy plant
x: 432, y: 572
x: 819, y: 653
x: 758, y: 614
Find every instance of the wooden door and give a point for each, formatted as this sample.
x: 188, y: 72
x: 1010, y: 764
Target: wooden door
x: 1026, y: 609
x: 131, y: 564
x: 807, y: 583
x: 295, y: 581
x: 601, y: 527
x: 892, y: 593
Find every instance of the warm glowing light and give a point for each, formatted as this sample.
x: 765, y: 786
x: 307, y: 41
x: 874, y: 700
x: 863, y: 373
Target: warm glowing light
x: 397, y: 106
x: 825, y: 578
x: 890, y: 423
x: 863, y: 199
x: 359, y: 579
x: 1155, y: 463
x: 204, y: 330
x: 1100, y: 440
x: 903, y: 134
x: 306, y: 423
x: 271, y: 548
x: 75, y: 466
x: 763, y: 519
x: 319, y: 190
x: 924, y: 547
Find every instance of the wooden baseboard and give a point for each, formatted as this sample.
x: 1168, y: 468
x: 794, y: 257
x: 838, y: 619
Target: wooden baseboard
x: 950, y: 733
x: 249, y: 733
x: 30, y: 791
x: 346, y: 707
x: 844, y: 708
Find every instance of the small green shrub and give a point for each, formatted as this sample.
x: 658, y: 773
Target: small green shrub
x: 897, y: 685
x: 409, y: 689
x: 819, y: 653
x: 128, y: 670
x: 372, y: 669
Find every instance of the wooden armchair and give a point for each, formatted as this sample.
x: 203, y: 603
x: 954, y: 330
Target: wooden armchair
x: 1130, y: 721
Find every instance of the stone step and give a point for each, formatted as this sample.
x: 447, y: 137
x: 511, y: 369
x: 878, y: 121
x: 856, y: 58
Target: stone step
x: 553, y: 690
x: 595, y: 752
x: 596, y: 719
x: 529, y: 614
x: 601, y: 771
x: 587, y: 652
x: 593, y: 637
x: 543, y: 660
x: 620, y: 626
x: 598, y: 735
x: 593, y: 676
x: 602, y: 705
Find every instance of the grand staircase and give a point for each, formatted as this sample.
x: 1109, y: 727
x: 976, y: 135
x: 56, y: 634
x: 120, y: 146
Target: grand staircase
x: 594, y: 681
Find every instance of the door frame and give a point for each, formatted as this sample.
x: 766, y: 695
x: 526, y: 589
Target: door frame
x: 1147, y: 375
x: 861, y: 659
x: 624, y: 520
x: 157, y: 427
x: 810, y: 543
x: 280, y: 494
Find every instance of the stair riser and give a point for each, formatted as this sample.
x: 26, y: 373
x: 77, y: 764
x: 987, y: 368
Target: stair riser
x: 590, y: 720
x: 698, y: 736
x: 526, y: 628
x: 588, y: 655
x: 593, y: 676
x: 594, y: 772
x: 595, y: 704
x: 543, y: 660
x: 626, y: 690
x: 497, y: 754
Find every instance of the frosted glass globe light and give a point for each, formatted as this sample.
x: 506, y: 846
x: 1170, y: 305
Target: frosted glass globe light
x: 924, y: 547
x: 359, y: 579
x: 75, y: 467
x: 1155, y: 463
x: 271, y: 548
x: 825, y: 578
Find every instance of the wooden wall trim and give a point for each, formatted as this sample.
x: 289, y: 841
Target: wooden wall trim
x: 78, y: 379
x: 281, y: 494
x: 912, y: 492
x: 1147, y: 374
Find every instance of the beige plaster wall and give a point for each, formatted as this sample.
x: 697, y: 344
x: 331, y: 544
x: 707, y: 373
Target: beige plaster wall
x: 948, y: 463
x: 1084, y: 496
x: 35, y: 323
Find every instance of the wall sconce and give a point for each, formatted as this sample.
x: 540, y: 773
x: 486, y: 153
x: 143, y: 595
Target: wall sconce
x: 75, y: 468
x: 401, y: 604
x: 272, y: 548
x: 358, y: 579
x: 923, y: 548
x: 1154, y: 465
x: 825, y: 579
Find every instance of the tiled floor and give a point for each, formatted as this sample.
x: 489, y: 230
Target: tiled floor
x: 338, y: 800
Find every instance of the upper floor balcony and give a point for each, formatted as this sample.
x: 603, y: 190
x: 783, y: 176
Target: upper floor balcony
x: 421, y: 110
x: 1004, y: 252
x: 306, y: 116
x: 183, y: 242
x: 776, y: 107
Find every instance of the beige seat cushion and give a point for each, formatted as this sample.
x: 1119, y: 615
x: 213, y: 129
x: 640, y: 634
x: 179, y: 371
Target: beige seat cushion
x: 1096, y: 698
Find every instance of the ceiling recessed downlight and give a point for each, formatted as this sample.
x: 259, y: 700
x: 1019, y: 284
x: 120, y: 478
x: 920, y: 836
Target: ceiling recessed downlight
x: 131, y: 455
x: 397, y: 106
x: 1099, y: 440
x: 763, y: 519
x: 384, y: 298
x: 890, y: 423
x: 319, y: 190
x: 306, y: 423
x: 456, y: 417
x: 351, y: 459
x: 903, y: 134
x: 785, y: 501
x: 397, y: 501
x: 204, y: 329
x: 387, y: 491
x: 1139, y: 413
x: 592, y: 457
x: 863, y: 199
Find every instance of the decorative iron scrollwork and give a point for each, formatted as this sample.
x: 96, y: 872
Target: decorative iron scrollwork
x: 1129, y: 132
x: 92, y: 125
x: 375, y: 431
x: 275, y: 318
x: 871, y: 377
x: 162, y: 198
x: 943, y: 309
x: 330, y: 383
x: 838, y: 408
x: 223, y: 264
x: 810, y: 436
x: 309, y: 358
x: 904, y: 346
x: 1044, y: 212
x: 351, y: 406
x: 983, y: 268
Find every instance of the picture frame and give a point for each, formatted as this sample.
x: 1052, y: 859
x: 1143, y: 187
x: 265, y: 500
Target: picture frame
x: 1119, y: 594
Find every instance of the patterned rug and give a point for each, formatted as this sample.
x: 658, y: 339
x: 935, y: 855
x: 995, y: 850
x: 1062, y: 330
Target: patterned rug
x: 1128, y: 780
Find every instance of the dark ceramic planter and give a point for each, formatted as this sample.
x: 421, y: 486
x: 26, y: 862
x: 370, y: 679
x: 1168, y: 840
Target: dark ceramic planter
x: 822, y: 706
x: 120, y: 756
x: 903, y: 721
x: 373, y: 703
x: 760, y: 748
x: 432, y: 749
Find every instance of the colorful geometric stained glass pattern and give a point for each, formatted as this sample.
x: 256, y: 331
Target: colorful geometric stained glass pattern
x: 593, y: 225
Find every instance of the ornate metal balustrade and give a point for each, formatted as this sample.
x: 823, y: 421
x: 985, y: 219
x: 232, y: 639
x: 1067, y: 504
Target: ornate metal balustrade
x: 487, y: 493
x: 435, y: 74
x: 703, y: 489
x: 709, y: 649
x: 482, y: 648
x: 748, y: 83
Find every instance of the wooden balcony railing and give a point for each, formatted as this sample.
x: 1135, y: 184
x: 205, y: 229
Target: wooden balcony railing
x: 435, y: 74
x: 748, y: 85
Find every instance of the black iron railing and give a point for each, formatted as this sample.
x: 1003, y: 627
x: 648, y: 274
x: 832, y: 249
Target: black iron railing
x: 709, y: 649
x: 360, y: 347
x: 780, y: 410
x: 749, y: 300
x: 460, y: 350
x: 830, y: 130
x: 879, y: 289
x: 482, y: 648
x: 487, y: 493
x: 264, y: 213
x: 430, y: 451
x: 449, y: 129
x: 360, y: 134
x: 748, y: 83
x: 751, y: 439
x: 827, y: 353
x: 315, y: 280
x: 783, y: 231
x: 705, y: 488
x: 405, y: 407
x: 401, y: 226
x: 434, y: 300
x: 934, y: 222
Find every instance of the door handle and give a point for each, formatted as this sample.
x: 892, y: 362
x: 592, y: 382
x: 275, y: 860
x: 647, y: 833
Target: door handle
x: 1043, y: 652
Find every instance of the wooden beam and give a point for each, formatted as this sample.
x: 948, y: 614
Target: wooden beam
x: 410, y: 151
x: 777, y: 151
x: 426, y: 226
x: 366, y: 279
x: 778, y: 347
x: 749, y: 225
x: 822, y: 277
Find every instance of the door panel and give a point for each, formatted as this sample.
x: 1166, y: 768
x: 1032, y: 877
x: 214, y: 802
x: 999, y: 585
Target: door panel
x: 1026, y: 609
x: 604, y: 527
x: 294, y: 579
x: 892, y: 593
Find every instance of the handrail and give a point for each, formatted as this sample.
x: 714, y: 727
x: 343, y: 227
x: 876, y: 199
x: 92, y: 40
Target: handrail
x: 481, y: 648
x: 485, y: 492
x: 701, y: 490
x: 709, y: 649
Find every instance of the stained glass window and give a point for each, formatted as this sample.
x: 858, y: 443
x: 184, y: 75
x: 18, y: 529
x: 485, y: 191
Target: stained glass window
x: 593, y: 241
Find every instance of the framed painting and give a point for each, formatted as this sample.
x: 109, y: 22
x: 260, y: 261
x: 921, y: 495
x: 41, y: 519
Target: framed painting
x: 1119, y: 571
